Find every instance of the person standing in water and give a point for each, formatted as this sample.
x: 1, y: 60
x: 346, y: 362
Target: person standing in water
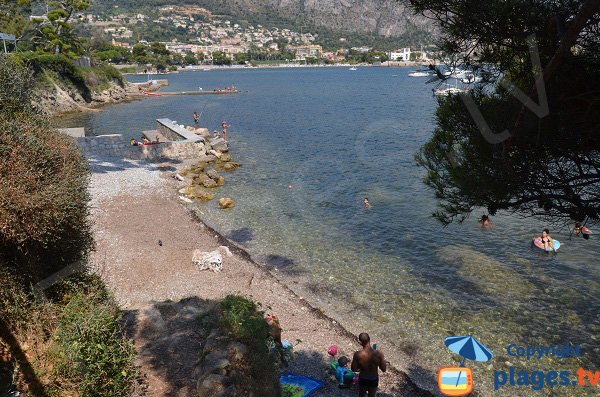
x: 368, y: 362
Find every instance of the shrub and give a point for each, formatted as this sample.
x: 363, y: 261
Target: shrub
x: 242, y: 320
x: 40, y: 62
x: 43, y: 186
x: 89, y: 349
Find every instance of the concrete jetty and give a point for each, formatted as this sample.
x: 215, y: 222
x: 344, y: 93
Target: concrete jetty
x: 213, y: 92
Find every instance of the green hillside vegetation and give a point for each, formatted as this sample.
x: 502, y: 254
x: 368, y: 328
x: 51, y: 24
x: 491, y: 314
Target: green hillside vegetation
x: 50, y: 46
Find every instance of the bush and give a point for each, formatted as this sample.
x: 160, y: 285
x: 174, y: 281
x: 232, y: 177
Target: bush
x: 89, y: 350
x: 75, y: 339
x: 41, y: 62
x: 242, y: 320
x: 43, y: 186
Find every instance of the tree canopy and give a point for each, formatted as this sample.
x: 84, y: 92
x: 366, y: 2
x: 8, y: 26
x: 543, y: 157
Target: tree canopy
x: 493, y: 147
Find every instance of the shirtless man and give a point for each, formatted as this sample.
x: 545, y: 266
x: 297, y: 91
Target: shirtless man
x: 367, y: 361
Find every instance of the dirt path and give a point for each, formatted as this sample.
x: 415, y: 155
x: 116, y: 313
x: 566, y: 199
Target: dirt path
x: 141, y: 271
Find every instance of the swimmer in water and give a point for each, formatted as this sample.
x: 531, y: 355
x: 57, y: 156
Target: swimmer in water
x: 366, y: 203
x: 485, y: 221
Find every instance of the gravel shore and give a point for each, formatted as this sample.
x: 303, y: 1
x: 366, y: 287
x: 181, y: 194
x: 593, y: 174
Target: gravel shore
x: 145, y: 236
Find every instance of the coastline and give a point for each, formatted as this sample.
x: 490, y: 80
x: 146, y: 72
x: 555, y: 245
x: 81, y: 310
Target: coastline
x: 124, y: 192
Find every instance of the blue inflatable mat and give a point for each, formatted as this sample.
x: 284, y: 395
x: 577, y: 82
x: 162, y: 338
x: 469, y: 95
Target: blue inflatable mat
x: 309, y: 385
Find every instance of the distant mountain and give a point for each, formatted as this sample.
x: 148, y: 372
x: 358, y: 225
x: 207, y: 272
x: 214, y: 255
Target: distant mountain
x: 386, y: 18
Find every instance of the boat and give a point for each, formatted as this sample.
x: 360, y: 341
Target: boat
x: 353, y: 68
x: 449, y: 91
x: 152, y: 93
x: 418, y: 73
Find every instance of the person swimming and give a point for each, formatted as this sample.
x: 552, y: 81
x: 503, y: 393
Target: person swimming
x: 366, y: 203
x: 583, y: 230
x: 485, y: 221
x: 546, y: 240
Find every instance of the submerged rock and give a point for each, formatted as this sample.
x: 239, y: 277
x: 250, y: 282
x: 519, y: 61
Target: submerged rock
x: 226, y: 202
x: 220, y: 181
x: 197, y: 193
x: 230, y: 166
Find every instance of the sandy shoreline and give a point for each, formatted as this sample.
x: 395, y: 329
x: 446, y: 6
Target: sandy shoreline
x: 134, y: 205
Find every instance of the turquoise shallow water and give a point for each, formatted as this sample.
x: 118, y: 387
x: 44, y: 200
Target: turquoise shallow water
x: 337, y: 136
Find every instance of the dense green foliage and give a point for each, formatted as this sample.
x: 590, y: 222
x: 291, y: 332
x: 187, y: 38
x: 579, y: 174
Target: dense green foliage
x: 75, y: 338
x: 88, y: 347
x: 44, y: 227
x: 43, y: 186
x: 545, y: 163
x: 242, y: 320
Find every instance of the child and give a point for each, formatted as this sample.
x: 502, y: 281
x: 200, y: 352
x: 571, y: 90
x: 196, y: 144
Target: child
x: 343, y: 375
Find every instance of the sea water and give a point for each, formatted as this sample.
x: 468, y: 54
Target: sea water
x: 313, y: 143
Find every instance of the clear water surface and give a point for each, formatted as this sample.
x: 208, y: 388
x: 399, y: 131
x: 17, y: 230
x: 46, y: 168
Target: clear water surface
x: 313, y: 143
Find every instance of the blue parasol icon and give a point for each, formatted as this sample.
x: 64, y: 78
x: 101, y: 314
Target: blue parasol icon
x: 469, y: 348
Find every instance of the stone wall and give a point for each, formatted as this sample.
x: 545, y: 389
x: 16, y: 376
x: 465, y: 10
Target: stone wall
x: 117, y: 145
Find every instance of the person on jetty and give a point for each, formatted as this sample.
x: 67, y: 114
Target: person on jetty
x: 196, y: 120
x: 547, y: 241
x: 485, y: 221
x: 367, y: 362
x: 366, y: 203
x: 225, y: 126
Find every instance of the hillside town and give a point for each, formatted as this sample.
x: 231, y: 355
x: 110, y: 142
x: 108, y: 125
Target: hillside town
x: 208, y: 34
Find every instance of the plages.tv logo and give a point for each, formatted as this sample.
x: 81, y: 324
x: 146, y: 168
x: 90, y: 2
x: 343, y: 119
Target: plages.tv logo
x: 458, y: 381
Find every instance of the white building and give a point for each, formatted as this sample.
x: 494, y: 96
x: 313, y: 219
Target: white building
x: 402, y: 54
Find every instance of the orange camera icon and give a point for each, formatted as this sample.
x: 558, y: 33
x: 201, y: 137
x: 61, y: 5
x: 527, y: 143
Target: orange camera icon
x: 455, y: 381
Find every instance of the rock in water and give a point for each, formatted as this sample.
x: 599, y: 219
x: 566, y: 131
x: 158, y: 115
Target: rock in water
x: 225, y: 157
x: 230, y: 166
x: 212, y: 174
x: 226, y: 202
x: 220, y: 181
x: 208, y: 260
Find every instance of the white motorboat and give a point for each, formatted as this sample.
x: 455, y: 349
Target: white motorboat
x: 449, y: 91
x: 353, y: 68
x: 418, y: 73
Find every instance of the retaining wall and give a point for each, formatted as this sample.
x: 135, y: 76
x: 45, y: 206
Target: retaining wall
x: 116, y: 145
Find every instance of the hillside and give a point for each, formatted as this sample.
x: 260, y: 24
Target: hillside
x: 373, y: 20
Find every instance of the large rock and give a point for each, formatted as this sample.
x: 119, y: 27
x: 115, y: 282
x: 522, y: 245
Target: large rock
x: 225, y: 157
x: 219, y: 144
x: 237, y: 350
x: 230, y: 166
x: 197, y: 193
x: 226, y: 202
x: 208, y: 260
x: 209, y: 184
x: 212, y: 174
x: 220, y: 181
x: 211, y: 385
x: 203, y: 132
